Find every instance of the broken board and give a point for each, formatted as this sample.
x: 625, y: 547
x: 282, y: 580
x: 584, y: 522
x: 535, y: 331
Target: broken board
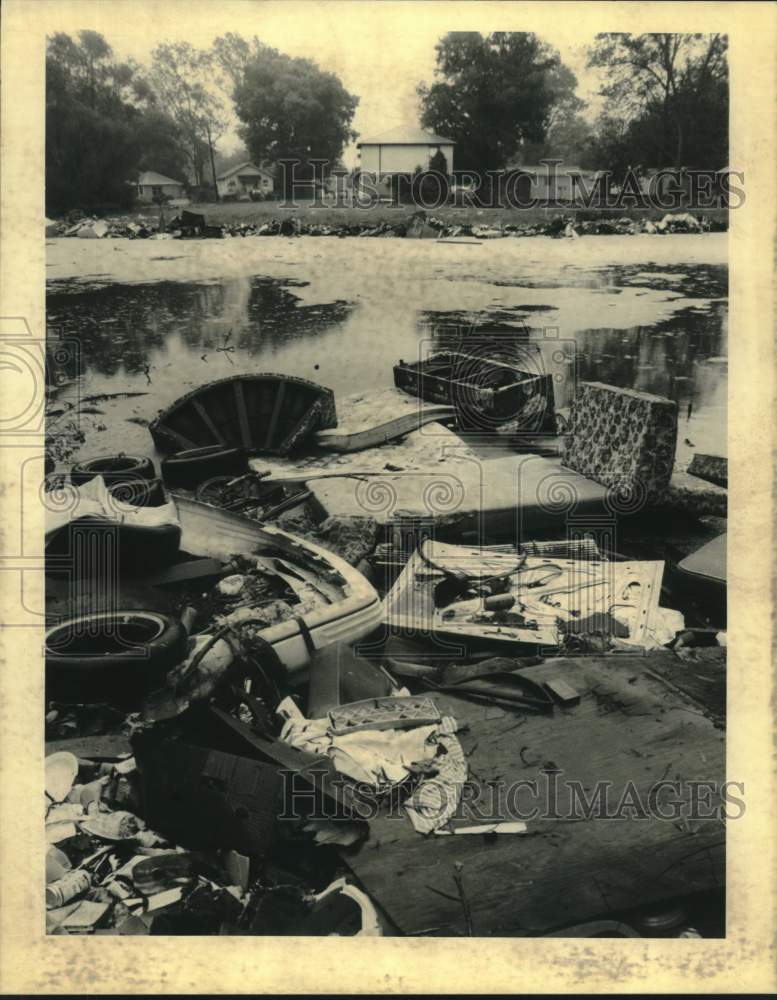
x: 631, y: 726
x: 368, y: 420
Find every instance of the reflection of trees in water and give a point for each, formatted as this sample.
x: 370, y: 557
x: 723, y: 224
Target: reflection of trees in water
x: 123, y: 326
x: 499, y: 336
x: 662, y: 359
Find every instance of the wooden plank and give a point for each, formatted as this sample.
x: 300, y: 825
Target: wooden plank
x: 338, y: 439
x: 631, y: 730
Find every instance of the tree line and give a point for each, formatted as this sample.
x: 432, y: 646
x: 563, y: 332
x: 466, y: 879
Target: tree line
x: 503, y: 98
x: 506, y: 98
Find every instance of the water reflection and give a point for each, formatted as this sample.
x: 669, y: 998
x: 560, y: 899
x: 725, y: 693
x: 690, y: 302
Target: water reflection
x: 127, y: 328
x: 668, y: 358
x: 171, y: 335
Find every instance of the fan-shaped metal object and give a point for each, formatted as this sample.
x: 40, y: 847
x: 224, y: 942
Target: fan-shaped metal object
x: 265, y: 414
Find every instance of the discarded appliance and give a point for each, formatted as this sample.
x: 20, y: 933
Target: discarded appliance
x: 348, y: 607
x: 445, y: 589
x: 264, y: 413
x: 485, y: 392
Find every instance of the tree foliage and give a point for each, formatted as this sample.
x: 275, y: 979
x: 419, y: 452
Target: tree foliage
x: 182, y: 78
x: 102, y: 125
x: 494, y: 93
x: 671, y: 96
x: 288, y: 107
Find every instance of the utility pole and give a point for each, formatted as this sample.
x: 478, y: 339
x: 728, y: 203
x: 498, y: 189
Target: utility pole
x: 212, y: 161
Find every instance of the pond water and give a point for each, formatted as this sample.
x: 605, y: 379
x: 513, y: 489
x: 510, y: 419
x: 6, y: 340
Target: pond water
x: 159, y: 317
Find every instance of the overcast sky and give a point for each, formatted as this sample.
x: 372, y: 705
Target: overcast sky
x: 379, y: 51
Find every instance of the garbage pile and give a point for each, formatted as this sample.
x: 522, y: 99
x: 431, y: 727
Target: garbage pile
x: 262, y: 682
x: 108, y: 873
x: 190, y: 225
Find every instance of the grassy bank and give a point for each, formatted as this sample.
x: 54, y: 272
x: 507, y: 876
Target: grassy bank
x: 257, y: 213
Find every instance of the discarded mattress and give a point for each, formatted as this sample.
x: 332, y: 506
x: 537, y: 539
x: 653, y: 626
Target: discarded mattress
x: 264, y: 413
x: 623, y: 439
x: 458, y: 592
x: 509, y: 496
x: 350, y: 608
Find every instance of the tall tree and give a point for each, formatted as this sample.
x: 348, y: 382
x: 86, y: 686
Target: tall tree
x: 231, y: 52
x: 671, y: 91
x: 99, y: 114
x: 289, y: 108
x: 162, y: 146
x: 183, y: 79
x: 493, y: 93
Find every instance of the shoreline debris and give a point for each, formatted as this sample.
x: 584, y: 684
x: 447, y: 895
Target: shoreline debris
x: 283, y: 701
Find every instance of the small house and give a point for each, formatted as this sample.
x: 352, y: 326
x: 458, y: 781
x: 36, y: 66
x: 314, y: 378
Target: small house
x: 152, y: 187
x: 555, y: 182
x: 244, y: 180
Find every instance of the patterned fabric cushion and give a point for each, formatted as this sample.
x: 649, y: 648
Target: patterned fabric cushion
x: 622, y: 438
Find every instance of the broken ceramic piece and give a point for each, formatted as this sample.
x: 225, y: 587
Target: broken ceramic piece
x: 61, y: 772
x: 57, y: 864
x: 328, y: 916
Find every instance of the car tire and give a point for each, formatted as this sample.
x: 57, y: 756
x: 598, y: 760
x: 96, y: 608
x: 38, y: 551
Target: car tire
x: 190, y: 468
x: 113, y: 656
x: 140, y: 492
x: 113, y: 468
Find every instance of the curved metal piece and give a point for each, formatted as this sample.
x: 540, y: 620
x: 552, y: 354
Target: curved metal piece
x: 264, y: 413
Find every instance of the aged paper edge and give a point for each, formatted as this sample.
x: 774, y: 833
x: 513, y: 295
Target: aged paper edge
x: 745, y: 960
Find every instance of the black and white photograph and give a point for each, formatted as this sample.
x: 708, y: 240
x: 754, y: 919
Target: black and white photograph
x: 381, y: 445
